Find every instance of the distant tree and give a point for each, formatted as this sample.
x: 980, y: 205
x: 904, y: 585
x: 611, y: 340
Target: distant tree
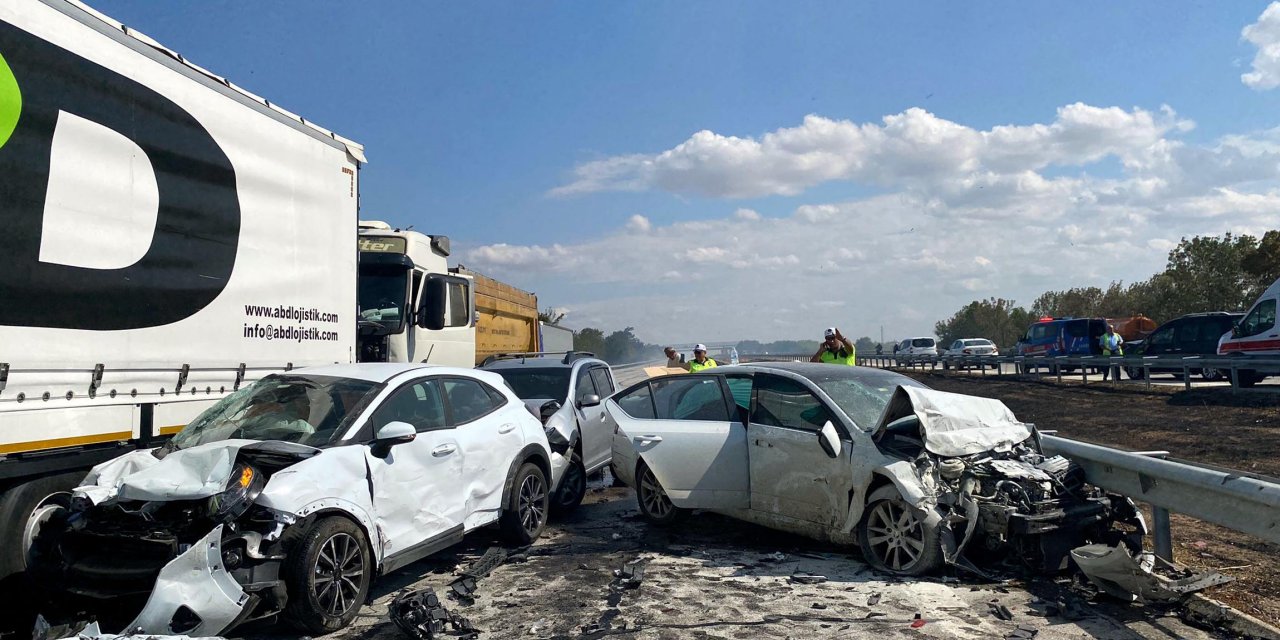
x: 551, y: 316
x: 622, y: 347
x: 1207, y: 273
x: 863, y: 345
x: 996, y: 319
x: 589, y: 339
x: 750, y: 346
x: 1262, y: 264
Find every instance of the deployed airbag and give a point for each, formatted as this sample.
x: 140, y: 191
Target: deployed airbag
x: 953, y: 424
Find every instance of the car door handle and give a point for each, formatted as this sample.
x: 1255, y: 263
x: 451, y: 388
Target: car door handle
x: 444, y: 450
x: 643, y: 439
x: 762, y: 443
x: 507, y: 428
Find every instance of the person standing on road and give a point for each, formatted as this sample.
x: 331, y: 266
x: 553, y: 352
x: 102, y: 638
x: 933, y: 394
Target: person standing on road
x: 700, y: 360
x: 673, y: 359
x: 835, y: 349
x: 1112, y: 344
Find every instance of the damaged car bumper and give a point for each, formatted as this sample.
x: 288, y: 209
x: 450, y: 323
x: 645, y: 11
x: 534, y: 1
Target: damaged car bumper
x: 195, y: 594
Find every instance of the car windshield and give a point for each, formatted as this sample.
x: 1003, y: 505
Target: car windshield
x: 310, y: 410
x: 978, y: 342
x: 863, y: 398
x: 382, y: 293
x: 531, y: 383
x: 922, y: 342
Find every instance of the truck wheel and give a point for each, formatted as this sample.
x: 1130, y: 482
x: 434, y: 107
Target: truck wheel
x: 327, y: 574
x: 573, y: 487
x: 895, y: 539
x: 24, y: 509
x: 526, y: 513
x: 654, y: 503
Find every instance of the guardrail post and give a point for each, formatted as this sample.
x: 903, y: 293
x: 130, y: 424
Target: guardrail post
x: 1084, y: 371
x: 1163, y: 534
x: 1186, y: 375
x: 1235, y: 378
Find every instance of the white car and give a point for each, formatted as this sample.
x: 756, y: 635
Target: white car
x: 916, y: 349
x: 565, y: 390
x: 970, y: 347
x: 858, y: 455
x: 289, y: 496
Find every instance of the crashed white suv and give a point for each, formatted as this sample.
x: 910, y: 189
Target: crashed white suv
x: 916, y: 477
x: 291, y: 495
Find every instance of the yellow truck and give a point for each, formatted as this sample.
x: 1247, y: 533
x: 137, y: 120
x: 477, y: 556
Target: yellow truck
x: 506, y: 317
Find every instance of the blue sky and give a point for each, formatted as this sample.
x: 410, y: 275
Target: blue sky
x: 472, y: 114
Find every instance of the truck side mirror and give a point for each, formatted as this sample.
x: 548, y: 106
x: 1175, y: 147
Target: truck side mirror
x: 431, y: 313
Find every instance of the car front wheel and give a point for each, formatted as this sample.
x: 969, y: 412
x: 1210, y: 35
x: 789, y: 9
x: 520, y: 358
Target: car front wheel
x: 573, y: 487
x: 654, y: 503
x: 327, y: 573
x: 526, y: 513
x: 895, y: 538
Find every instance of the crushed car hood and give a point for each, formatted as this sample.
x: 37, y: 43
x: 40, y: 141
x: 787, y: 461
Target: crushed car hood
x: 186, y: 474
x: 953, y: 424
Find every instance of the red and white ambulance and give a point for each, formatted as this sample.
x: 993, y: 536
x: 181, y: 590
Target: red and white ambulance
x: 1256, y: 335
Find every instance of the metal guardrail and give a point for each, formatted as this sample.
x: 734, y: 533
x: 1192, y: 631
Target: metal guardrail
x: 1232, y: 366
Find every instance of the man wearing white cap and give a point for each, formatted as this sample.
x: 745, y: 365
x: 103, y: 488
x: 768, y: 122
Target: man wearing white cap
x: 835, y: 349
x: 700, y: 360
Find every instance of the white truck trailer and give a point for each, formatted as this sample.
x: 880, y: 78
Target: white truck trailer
x: 165, y: 238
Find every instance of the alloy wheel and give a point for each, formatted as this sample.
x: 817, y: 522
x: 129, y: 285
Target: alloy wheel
x: 654, y: 496
x: 337, y: 574
x: 532, y: 505
x: 51, y: 506
x: 573, y: 484
x: 896, y: 535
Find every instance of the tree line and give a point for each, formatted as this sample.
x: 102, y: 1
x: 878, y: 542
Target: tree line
x: 1210, y: 273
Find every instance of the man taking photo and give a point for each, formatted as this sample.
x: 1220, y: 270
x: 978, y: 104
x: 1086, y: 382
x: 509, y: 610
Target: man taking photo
x: 835, y: 349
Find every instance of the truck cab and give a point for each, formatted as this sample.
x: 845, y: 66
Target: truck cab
x: 411, y: 308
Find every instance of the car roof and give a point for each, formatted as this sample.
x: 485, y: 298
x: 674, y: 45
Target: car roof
x: 811, y: 370
x: 551, y: 361
x: 379, y: 371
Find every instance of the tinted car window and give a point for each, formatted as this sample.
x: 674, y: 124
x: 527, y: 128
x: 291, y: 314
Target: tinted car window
x: 467, y: 400
x: 583, y: 386
x: 1077, y: 329
x: 637, y: 403
x: 689, y: 398
x: 782, y: 402
x: 600, y: 376
x: 417, y: 403
x: 537, y: 382
x: 1262, y: 318
x: 922, y: 342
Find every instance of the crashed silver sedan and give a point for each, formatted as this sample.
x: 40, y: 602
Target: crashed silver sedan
x: 287, y: 498
x: 915, y: 477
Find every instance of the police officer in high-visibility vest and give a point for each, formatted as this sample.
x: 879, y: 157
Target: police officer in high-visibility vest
x: 835, y: 349
x: 1112, y: 345
x: 700, y: 360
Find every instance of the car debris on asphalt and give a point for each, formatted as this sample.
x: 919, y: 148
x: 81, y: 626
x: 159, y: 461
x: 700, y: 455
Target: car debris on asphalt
x: 421, y: 616
x: 1133, y: 577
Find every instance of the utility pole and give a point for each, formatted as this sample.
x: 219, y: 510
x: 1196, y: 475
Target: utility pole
x: 881, y: 334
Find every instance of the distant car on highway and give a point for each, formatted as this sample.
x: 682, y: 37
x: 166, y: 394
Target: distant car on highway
x: 1052, y: 337
x: 970, y: 347
x: 1195, y: 334
x: 855, y: 455
x: 564, y: 390
x: 913, y: 349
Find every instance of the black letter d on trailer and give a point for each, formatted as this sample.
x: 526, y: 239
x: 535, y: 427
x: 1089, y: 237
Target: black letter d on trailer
x: 193, y: 248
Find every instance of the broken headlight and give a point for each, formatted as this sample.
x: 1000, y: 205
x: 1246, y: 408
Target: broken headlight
x: 242, y: 489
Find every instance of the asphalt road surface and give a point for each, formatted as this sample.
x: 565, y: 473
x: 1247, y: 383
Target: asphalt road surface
x: 712, y: 577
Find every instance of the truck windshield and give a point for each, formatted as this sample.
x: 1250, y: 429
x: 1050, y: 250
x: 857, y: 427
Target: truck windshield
x: 537, y: 383
x: 382, y: 296
x: 310, y: 410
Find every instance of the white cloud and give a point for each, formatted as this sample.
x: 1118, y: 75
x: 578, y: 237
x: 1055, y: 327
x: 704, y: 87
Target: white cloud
x: 746, y: 214
x: 638, y: 223
x: 1265, y: 35
x: 914, y: 149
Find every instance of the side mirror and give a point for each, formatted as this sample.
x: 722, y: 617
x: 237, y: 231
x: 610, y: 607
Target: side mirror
x: 392, y: 434
x: 829, y: 440
x: 432, y: 310
x: 548, y: 409
x: 589, y: 400
x: 1235, y: 331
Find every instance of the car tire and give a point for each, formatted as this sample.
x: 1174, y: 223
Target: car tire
x: 886, y: 543
x: 327, y: 572
x: 1212, y: 375
x: 1247, y: 378
x: 654, y: 504
x: 525, y: 515
x: 1134, y: 373
x: 573, y: 487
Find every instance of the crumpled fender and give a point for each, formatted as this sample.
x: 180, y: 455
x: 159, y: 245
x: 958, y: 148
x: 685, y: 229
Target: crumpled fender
x: 196, y: 580
x: 903, y: 476
x: 322, y: 483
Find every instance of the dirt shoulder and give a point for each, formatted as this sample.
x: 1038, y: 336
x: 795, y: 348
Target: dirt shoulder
x: 1241, y: 432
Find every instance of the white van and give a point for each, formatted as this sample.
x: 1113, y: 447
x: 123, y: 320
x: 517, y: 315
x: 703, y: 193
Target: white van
x: 912, y: 349
x: 1256, y: 335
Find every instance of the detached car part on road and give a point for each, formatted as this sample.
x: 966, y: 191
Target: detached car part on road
x: 289, y: 497
x: 565, y: 390
x: 915, y: 477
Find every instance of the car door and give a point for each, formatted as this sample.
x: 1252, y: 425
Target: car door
x: 488, y: 434
x: 414, y: 487
x: 693, y: 446
x: 595, y: 424
x: 587, y: 415
x: 791, y: 475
